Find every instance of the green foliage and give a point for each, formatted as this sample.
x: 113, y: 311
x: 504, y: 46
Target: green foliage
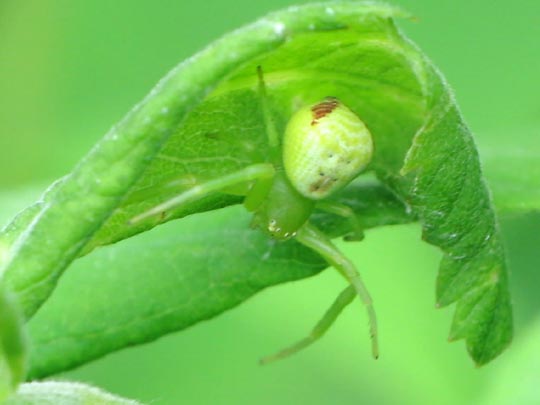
x: 204, y: 120
x: 13, y: 350
x: 64, y: 393
x: 199, y: 272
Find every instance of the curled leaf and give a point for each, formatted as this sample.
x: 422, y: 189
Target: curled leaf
x: 204, y: 120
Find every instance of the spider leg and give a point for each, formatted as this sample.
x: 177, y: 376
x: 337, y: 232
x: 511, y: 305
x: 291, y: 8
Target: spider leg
x: 271, y: 131
x: 245, y: 175
x: 346, y: 212
x: 342, y: 300
x: 258, y: 193
x: 313, y: 238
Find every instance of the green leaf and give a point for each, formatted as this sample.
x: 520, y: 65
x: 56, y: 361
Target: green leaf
x: 204, y: 120
x: 450, y: 196
x: 12, y: 346
x: 64, y: 393
x: 187, y: 271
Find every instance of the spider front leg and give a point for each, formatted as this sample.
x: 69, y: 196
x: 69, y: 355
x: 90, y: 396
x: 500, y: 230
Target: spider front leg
x: 261, y: 171
x: 343, y: 299
x: 316, y: 240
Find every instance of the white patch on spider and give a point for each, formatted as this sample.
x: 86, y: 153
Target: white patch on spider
x: 272, y: 226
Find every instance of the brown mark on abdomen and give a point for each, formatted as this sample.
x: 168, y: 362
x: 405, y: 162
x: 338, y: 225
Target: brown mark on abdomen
x: 322, y: 185
x: 324, y: 108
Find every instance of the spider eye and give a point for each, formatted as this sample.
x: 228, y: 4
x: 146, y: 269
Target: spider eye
x: 325, y: 138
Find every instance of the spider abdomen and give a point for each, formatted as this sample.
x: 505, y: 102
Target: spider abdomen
x: 325, y: 147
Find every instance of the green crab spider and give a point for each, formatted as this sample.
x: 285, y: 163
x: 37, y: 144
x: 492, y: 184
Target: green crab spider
x: 324, y: 148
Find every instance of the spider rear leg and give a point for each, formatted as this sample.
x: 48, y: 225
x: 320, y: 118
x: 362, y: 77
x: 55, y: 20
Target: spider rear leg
x: 346, y: 212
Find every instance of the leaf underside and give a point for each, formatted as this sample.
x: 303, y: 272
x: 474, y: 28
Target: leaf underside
x: 204, y: 120
x: 64, y: 393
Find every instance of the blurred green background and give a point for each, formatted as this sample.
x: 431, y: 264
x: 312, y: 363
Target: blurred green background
x: 69, y: 69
